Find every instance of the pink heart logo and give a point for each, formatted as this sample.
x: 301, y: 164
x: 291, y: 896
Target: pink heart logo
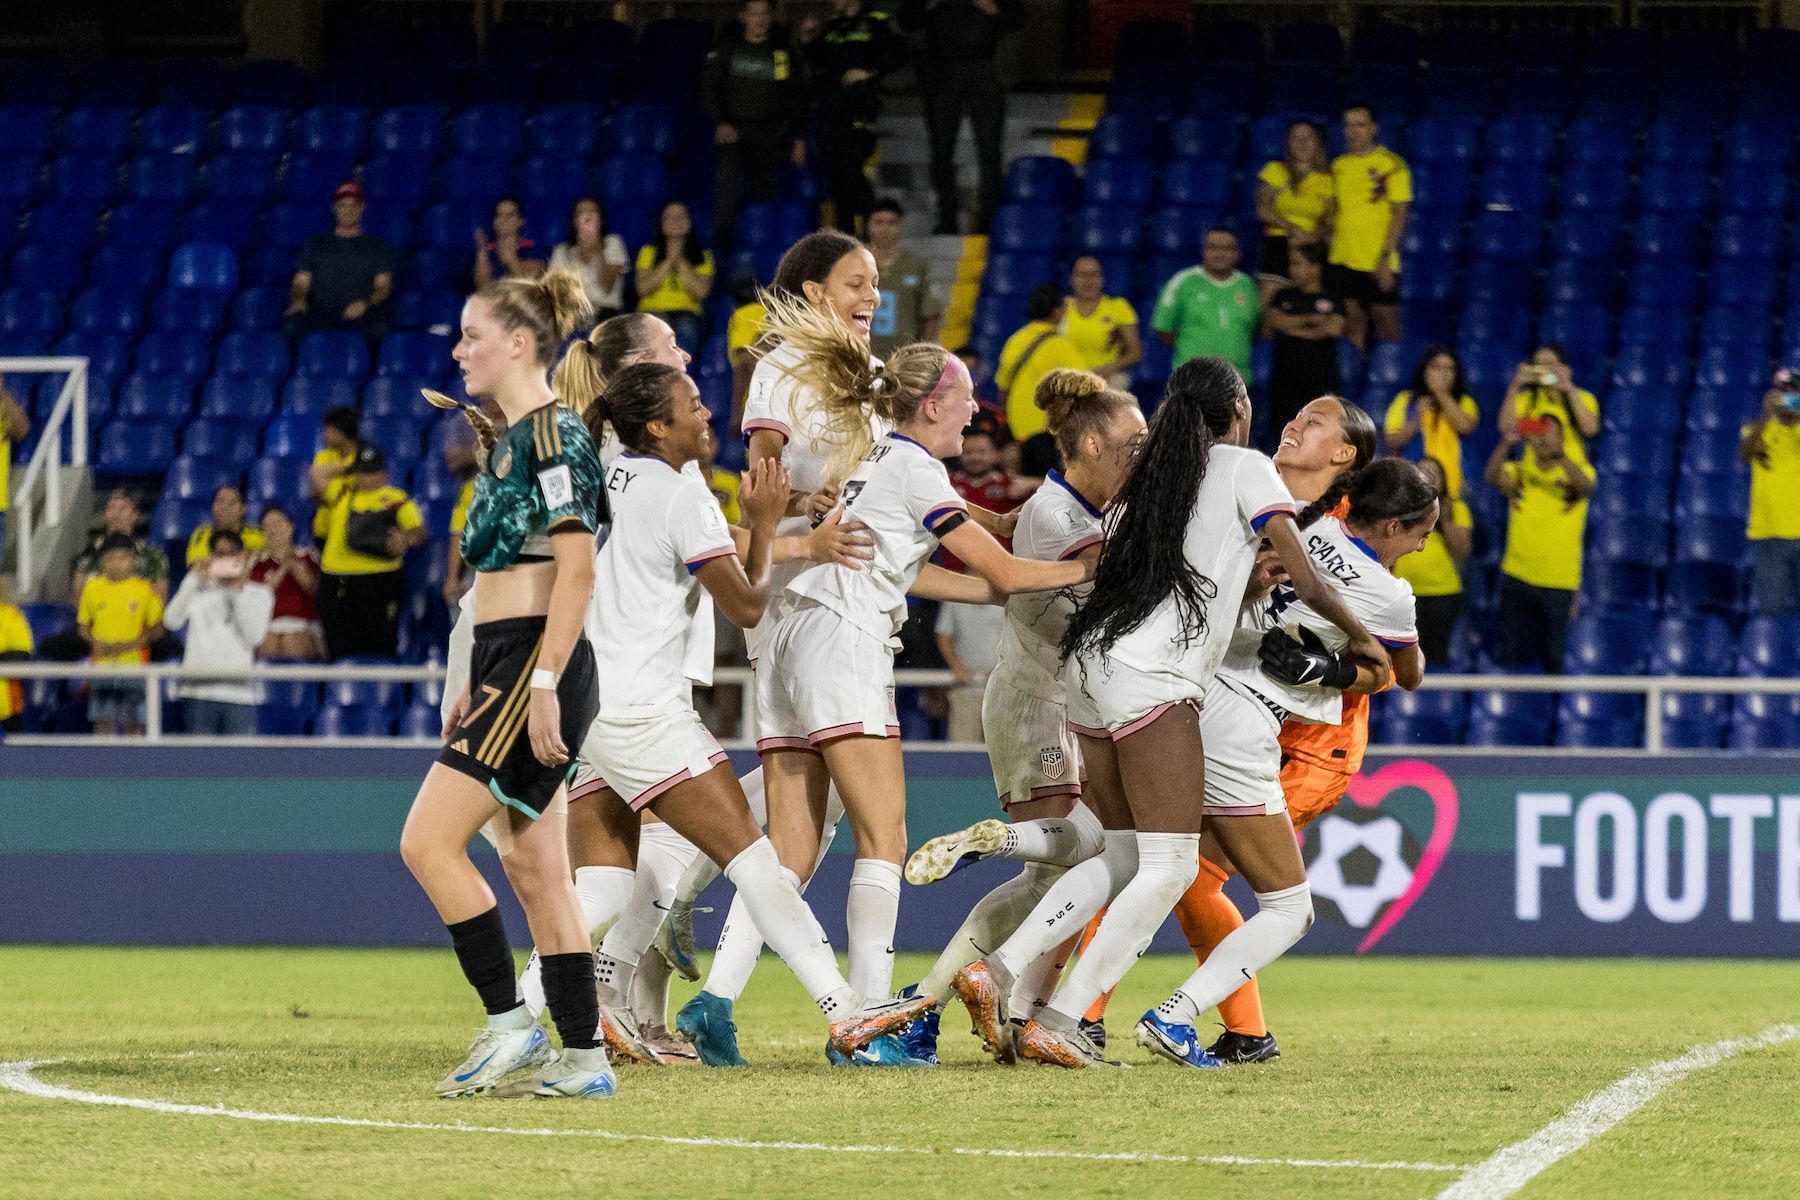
x: 1368, y: 791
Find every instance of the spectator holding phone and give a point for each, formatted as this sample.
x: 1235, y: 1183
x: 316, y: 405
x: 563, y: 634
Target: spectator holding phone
x: 1541, y: 570
x: 1771, y: 445
x: 226, y: 616
x: 291, y: 573
x: 1545, y: 387
x: 366, y: 526
x: 1435, y: 569
x: 1436, y: 412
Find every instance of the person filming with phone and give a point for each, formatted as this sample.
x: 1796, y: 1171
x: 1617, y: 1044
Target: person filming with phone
x: 226, y: 616
x: 1541, y: 570
x: 1771, y: 445
x: 1545, y: 387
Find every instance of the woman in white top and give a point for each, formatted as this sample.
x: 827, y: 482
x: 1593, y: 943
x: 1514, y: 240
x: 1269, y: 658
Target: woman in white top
x: 595, y: 257
x: 668, y: 542
x: 825, y: 687
x: 1142, y: 650
x: 1037, y: 765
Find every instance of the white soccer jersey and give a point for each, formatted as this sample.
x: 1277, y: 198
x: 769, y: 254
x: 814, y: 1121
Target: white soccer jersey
x: 1240, y: 493
x: 903, y: 495
x: 1374, y: 595
x: 779, y: 402
x: 1055, y: 524
x: 665, y: 525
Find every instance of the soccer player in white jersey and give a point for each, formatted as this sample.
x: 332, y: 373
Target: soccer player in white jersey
x: 669, y: 540
x: 1269, y: 677
x: 1036, y: 763
x: 1181, y: 543
x: 825, y: 686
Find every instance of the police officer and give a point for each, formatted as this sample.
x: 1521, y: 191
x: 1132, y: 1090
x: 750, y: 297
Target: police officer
x: 857, y: 47
x: 752, y: 90
x: 961, y: 78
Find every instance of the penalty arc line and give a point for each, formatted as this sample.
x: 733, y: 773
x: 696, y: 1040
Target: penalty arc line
x: 1512, y: 1167
x: 18, y: 1077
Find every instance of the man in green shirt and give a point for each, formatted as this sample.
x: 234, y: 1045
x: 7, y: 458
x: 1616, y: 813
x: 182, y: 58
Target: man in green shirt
x: 909, y: 312
x: 1211, y: 308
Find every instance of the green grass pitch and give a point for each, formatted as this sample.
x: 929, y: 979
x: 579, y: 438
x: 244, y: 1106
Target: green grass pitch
x: 1420, y: 1061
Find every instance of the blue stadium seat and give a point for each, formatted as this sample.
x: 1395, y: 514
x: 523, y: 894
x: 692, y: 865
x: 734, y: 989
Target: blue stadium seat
x: 135, y: 448
x: 365, y: 693
x: 241, y: 400
x: 311, y: 396
x: 1443, y: 139
x: 292, y: 436
x: 1627, y: 495
x: 25, y: 129
x: 310, y: 176
x: 1606, y: 190
x: 495, y: 130
x: 336, y: 355
x: 1529, y: 140
x: 421, y: 721
x: 109, y: 356
x: 1755, y: 188
x: 400, y: 438
x: 205, y: 265
x: 392, y: 395
x: 1205, y: 137
x: 196, y: 477
x: 46, y: 267
x: 1507, y: 235
x: 80, y: 178
x: 171, y: 178
x: 1017, y: 227
x: 1599, y: 720
x: 262, y: 355
x: 476, y: 180
x: 334, y: 721
x: 1443, y: 188
x: 1041, y: 180
x: 1506, y: 280
x: 21, y: 178
x: 1649, y: 365
x: 258, y: 309
x: 1175, y: 233
x: 1197, y: 184
x: 252, y: 129
x: 1511, y: 719
x: 446, y: 224
x: 1102, y: 231
x: 1732, y: 368
x: 1606, y: 643
x: 1593, y: 145
x: 1617, y: 586
x: 1754, y: 144
x: 1669, y: 187
x: 416, y: 130
x: 1542, y: 92
x: 179, y: 310
x: 641, y: 129
x: 427, y: 308
x: 172, y: 129
x: 1458, y: 90
x: 1694, y: 720
x: 1628, y: 539
x: 245, y: 178
x: 402, y: 180
x: 175, y: 517
x: 772, y: 224
x: 1115, y: 136
x: 1760, y: 721
x: 1520, y: 187
x: 1423, y: 718
x: 565, y: 131
x: 415, y: 355
x: 640, y: 180
x: 165, y: 353
x: 167, y: 398
x: 1770, y: 647
x: 96, y: 129
x: 1119, y: 183
x: 1693, y: 645
x: 277, y: 480
x: 223, y: 222
x: 1390, y: 87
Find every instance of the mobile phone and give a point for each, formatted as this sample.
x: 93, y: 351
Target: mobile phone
x: 1533, y: 426
x: 1547, y: 378
x: 1791, y: 401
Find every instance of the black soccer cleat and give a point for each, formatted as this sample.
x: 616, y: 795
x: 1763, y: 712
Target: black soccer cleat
x: 1243, y: 1048
x: 1095, y: 1032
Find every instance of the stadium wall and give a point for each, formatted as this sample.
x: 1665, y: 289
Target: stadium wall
x: 1453, y: 854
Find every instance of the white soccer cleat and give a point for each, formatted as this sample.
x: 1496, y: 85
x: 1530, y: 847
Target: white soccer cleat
x: 496, y: 1054
x: 945, y: 855
x: 619, y: 1030
x: 573, y: 1075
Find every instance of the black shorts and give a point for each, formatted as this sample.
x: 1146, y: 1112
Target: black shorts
x: 1272, y: 262
x: 1360, y: 286
x: 492, y: 745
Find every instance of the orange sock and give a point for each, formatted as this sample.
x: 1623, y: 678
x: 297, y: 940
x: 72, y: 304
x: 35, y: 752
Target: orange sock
x: 1097, y: 1010
x: 1207, y: 917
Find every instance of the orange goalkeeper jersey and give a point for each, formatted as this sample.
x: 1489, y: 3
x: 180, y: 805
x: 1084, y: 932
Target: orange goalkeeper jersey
x: 1336, y: 748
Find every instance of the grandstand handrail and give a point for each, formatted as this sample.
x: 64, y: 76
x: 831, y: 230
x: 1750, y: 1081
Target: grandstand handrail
x: 1652, y: 687
x: 71, y: 405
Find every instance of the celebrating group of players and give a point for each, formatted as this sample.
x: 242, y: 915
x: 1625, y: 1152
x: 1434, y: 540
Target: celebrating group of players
x: 1179, y: 686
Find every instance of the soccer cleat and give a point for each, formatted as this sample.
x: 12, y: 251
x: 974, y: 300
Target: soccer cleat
x: 670, y: 1046
x: 1177, y: 1043
x: 1071, y: 1049
x: 946, y: 855
x: 1244, y: 1048
x: 573, y: 1074
x: 496, y: 1054
x: 619, y: 1030
x: 1094, y: 1031
x: 889, y: 1050
x: 974, y: 986
x: 706, y: 1022
x: 675, y: 941
x: 876, y: 1018
x: 921, y: 1038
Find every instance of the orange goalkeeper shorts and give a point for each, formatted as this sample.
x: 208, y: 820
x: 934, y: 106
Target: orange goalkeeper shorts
x: 1311, y: 790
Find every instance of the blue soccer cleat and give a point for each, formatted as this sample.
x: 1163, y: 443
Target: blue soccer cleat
x: 706, y: 1021
x: 921, y: 1038
x: 1177, y: 1043
x: 888, y: 1050
x: 573, y: 1075
x: 496, y: 1054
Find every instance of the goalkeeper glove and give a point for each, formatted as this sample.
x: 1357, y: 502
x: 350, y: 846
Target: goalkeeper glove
x: 1306, y: 661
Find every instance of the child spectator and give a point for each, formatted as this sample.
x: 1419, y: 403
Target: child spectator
x: 980, y: 479
x: 1306, y: 323
x: 226, y: 616
x: 118, y: 617
x: 292, y: 573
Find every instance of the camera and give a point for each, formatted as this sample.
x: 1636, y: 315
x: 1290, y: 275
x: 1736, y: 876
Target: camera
x: 1787, y: 384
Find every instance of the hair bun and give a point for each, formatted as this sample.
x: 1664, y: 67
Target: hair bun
x: 1060, y: 390
x: 569, y: 307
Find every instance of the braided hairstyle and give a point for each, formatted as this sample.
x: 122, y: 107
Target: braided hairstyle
x: 636, y: 396
x: 1143, y: 561
x: 1392, y: 489
x: 836, y: 372
x: 1075, y: 404
x: 549, y: 308
x: 1359, y: 435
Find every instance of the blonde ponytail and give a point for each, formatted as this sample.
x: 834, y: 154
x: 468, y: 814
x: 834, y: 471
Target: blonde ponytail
x: 834, y: 372
x: 485, y: 433
x: 578, y: 380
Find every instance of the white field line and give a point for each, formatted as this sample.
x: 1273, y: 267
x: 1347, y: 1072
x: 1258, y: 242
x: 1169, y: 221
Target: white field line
x: 1512, y: 1167
x: 18, y: 1077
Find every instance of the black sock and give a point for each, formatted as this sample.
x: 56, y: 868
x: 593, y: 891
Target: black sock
x: 486, y: 959
x: 569, y: 991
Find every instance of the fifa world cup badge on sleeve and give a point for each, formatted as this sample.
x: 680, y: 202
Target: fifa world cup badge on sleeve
x: 557, y: 487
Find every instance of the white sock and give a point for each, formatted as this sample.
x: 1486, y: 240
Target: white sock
x: 871, y: 913
x: 1167, y: 864
x: 531, y: 988
x: 1072, y: 901
x: 1061, y: 841
x: 663, y: 858
x: 739, y: 945
x: 626, y: 943
x: 1282, y: 918
x: 988, y: 924
x: 775, y: 906
x: 518, y: 1017
x: 604, y: 893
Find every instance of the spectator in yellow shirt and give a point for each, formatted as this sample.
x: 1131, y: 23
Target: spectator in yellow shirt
x: 1104, y: 328
x: 341, y: 431
x: 366, y: 526
x: 1372, y: 196
x: 1293, y: 200
x: 15, y: 646
x: 1435, y: 570
x: 1437, y: 412
x: 1771, y: 445
x: 227, y: 517
x: 1029, y: 355
x: 14, y: 425
x: 1541, y: 570
x: 1544, y: 387
x: 741, y: 333
x: 118, y: 616
x: 675, y: 274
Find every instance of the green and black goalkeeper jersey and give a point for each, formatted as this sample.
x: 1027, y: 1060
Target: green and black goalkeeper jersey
x: 542, y: 478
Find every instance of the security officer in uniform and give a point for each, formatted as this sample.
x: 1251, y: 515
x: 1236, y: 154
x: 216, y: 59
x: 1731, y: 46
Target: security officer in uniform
x: 752, y: 90
x: 961, y: 78
x: 857, y: 47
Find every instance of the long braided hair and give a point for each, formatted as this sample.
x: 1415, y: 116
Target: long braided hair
x: 1143, y: 561
x: 1359, y: 434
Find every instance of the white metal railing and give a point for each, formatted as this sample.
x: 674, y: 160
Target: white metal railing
x: 71, y: 409
x: 1652, y: 687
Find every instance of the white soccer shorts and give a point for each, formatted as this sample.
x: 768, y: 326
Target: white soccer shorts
x: 822, y: 678
x: 1243, y: 754
x: 643, y: 758
x: 1030, y: 746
